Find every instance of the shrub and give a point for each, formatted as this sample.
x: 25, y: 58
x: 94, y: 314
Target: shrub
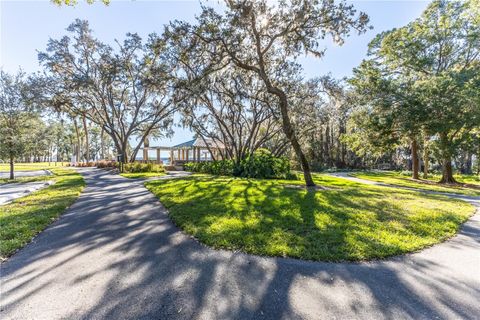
x: 98, y: 164
x: 137, y: 167
x: 261, y: 164
x: 106, y: 164
x: 82, y: 164
x: 220, y: 167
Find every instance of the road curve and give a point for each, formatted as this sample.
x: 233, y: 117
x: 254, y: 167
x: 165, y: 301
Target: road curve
x: 115, y: 254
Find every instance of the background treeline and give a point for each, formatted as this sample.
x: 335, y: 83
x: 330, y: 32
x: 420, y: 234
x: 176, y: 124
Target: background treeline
x: 234, y: 78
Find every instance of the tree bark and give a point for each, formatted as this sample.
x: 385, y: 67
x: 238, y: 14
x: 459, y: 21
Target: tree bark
x: 12, y: 174
x: 290, y: 134
x: 468, y: 163
x: 87, y: 143
x: 426, y: 162
x: 102, y: 145
x: 414, y: 159
x: 289, y: 130
x: 78, y: 140
x: 447, y: 171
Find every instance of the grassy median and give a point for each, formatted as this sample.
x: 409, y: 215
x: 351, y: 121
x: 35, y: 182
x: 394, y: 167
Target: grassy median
x: 25, y: 217
x: 396, y: 178
x: 31, y: 166
x: 349, y: 221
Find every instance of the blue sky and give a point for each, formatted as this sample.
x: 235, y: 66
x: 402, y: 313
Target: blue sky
x: 26, y: 27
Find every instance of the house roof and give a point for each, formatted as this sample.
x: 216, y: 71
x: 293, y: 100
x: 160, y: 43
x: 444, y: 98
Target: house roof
x: 199, y: 142
x: 185, y: 144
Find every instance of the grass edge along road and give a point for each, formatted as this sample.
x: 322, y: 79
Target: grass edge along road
x: 142, y: 175
x: 348, y: 222
x: 395, y: 178
x: 25, y: 217
x: 31, y: 166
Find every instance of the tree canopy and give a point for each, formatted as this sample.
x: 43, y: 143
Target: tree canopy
x: 266, y: 39
x: 127, y: 91
x: 419, y: 79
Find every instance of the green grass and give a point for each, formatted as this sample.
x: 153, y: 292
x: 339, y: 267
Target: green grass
x: 461, y: 178
x: 25, y: 217
x: 395, y: 178
x: 142, y: 175
x: 25, y: 179
x: 350, y: 221
x: 5, y: 167
x: 470, y: 179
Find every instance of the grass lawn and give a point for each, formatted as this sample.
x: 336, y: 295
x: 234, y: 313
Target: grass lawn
x: 463, y: 178
x: 350, y: 221
x: 142, y: 175
x: 430, y: 184
x: 22, y: 219
x: 25, y: 179
x: 5, y: 167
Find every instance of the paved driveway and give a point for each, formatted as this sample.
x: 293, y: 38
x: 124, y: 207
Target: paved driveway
x: 116, y: 255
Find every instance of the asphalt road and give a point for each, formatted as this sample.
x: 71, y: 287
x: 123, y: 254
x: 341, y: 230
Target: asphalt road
x: 12, y: 191
x: 116, y: 255
x: 31, y: 173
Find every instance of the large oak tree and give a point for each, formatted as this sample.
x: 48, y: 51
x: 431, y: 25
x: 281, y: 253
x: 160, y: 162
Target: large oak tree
x: 266, y: 39
x: 422, y: 79
x: 127, y: 92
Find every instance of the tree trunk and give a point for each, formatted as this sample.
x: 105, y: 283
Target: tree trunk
x: 124, y: 155
x: 77, y: 149
x: 286, y: 123
x: 447, y: 171
x: 290, y: 134
x: 426, y: 162
x: 87, y: 143
x: 414, y: 159
x: 12, y: 175
x: 102, y: 145
x: 326, y: 147
x: 468, y: 163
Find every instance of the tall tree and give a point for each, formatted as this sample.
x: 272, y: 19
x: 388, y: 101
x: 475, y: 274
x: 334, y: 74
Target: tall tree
x: 266, y: 39
x: 393, y: 108
x: 15, y: 117
x: 127, y: 92
x: 440, y: 52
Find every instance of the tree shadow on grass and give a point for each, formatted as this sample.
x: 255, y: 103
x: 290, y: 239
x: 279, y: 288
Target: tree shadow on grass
x: 116, y: 255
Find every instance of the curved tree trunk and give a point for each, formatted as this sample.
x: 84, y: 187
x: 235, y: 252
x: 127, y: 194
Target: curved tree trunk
x: 290, y: 134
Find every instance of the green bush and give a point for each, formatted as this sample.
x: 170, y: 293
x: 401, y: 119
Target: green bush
x: 137, y: 167
x: 106, y: 164
x: 261, y: 164
x: 219, y: 168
